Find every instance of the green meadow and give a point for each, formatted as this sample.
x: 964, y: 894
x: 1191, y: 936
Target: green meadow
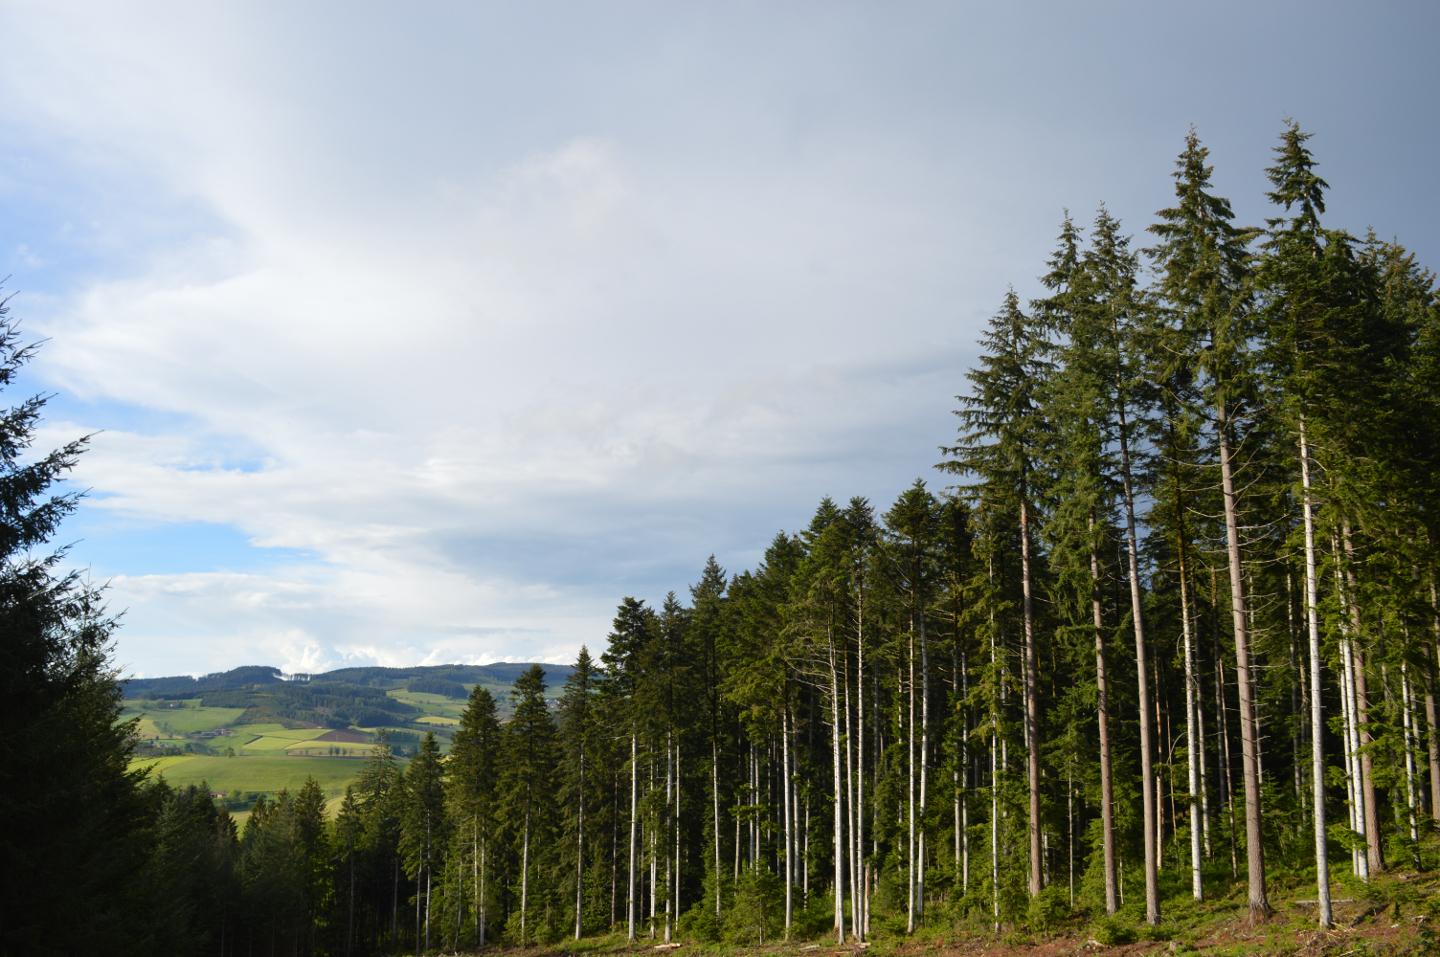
x: 269, y: 773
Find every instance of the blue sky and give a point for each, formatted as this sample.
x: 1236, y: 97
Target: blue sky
x: 426, y: 334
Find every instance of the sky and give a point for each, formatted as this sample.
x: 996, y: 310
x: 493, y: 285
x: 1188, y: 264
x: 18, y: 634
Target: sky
x: 424, y: 333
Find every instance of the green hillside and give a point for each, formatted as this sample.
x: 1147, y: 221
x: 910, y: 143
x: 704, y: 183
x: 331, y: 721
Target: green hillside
x: 250, y: 731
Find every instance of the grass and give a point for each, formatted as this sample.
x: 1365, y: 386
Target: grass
x: 268, y: 743
x: 330, y: 748
x: 432, y: 704
x: 296, y: 734
x: 189, y: 719
x: 257, y: 772
x: 1391, y: 918
x: 439, y: 719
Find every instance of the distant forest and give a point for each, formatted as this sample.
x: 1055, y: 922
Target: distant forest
x: 1166, y: 629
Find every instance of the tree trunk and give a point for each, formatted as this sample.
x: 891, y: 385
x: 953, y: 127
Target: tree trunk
x: 967, y: 778
x: 851, y: 813
x: 1032, y: 707
x: 924, y: 764
x: 1433, y: 738
x: 1359, y: 861
x: 860, y: 886
x: 525, y: 875
x: 1407, y: 728
x: 839, y: 885
x: 789, y: 820
x: 634, y: 802
x: 910, y: 783
x: 1249, y: 746
x: 675, y: 897
x: 1317, y: 718
x: 580, y: 850
x: 1102, y: 715
x: 669, y: 862
x: 715, y: 807
x: 994, y: 790
x: 1194, y: 745
x: 1149, y: 797
x: 1374, y: 850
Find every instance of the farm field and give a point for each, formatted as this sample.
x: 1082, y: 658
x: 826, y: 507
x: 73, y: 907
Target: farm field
x: 159, y: 719
x: 259, y: 733
x: 433, y: 705
x: 269, y: 773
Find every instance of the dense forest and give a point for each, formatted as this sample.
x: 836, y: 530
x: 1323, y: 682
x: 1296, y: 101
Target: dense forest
x: 1167, y: 627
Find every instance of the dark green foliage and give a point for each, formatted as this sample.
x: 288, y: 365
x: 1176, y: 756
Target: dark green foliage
x: 73, y: 816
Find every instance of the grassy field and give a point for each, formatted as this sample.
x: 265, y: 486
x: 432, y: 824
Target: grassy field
x: 331, y: 749
x: 434, y: 705
x: 257, y: 772
x: 191, y: 718
x: 268, y: 743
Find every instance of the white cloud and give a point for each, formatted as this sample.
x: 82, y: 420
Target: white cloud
x: 489, y: 397
x: 492, y: 317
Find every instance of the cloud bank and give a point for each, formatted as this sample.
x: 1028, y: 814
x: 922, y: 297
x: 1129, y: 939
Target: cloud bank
x: 470, y: 322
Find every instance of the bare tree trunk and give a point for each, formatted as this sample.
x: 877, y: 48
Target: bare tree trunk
x: 959, y: 759
x: 1359, y: 861
x: 1194, y: 745
x: 1317, y: 718
x: 1102, y: 716
x: 669, y: 861
x: 1374, y: 850
x: 675, y: 899
x: 580, y: 850
x: 861, y: 889
x: 968, y: 778
x: 924, y: 764
x: 852, y: 813
x: 789, y: 820
x: 715, y: 808
x: 994, y: 764
x: 1249, y: 746
x: 1226, y: 757
x: 805, y: 856
x: 1201, y: 737
x: 839, y: 796
x: 1070, y: 827
x: 634, y: 803
x: 1407, y: 726
x: 1149, y: 797
x: 1433, y: 738
x: 654, y: 854
x: 525, y: 875
x: 1032, y: 706
x: 910, y: 783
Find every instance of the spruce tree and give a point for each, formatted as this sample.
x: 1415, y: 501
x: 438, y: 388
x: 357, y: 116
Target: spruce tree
x: 73, y: 837
x: 471, y: 782
x: 527, y: 789
x: 1001, y: 439
x: 579, y: 769
x: 423, y: 830
x: 1204, y: 263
